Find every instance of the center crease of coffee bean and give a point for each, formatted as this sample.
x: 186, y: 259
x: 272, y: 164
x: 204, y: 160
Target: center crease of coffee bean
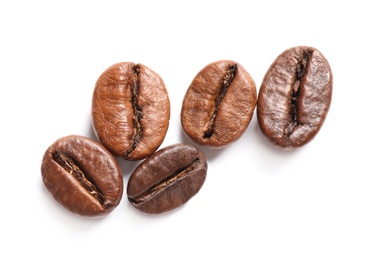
x: 225, y: 84
x: 165, y: 183
x: 300, y: 73
x: 138, y: 113
x: 73, y: 169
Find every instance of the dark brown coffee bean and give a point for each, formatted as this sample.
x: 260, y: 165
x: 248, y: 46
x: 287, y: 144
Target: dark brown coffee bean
x: 82, y: 176
x: 130, y: 110
x: 295, y: 97
x: 219, y: 104
x: 167, y: 179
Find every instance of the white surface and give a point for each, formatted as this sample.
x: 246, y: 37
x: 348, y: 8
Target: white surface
x: 318, y: 202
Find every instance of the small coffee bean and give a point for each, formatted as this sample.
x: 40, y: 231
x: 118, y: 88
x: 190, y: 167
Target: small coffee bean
x: 130, y: 110
x: 82, y: 176
x: 219, y: 104
x: 295, y: 97
x: 167, y: 179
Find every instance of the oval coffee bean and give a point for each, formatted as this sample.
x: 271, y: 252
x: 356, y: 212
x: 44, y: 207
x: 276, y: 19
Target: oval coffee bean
x: 295, y: 97
x: 130, y: 110
x: 82, y: 176
x: 219, y: 104
x: 167, y: 179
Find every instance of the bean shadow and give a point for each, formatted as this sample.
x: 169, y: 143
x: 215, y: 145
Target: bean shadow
x: 90, y: 132
x: 269, y: 156
x: 141, y: 218
x: 210, y: 153
x: 65, y: 216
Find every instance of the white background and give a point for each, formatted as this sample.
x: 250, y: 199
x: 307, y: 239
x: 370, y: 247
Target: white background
x: 318, y: 202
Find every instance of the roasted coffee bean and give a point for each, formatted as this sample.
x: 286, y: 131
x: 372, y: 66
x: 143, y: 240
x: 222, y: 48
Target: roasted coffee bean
x: 219, y: 104
x: 295, y: 97
x: 82, y: 176
x: 167, y: 179
x: 130, y: 110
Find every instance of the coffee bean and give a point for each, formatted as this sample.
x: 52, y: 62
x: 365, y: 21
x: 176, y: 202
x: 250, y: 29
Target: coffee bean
x: 82, y: 176
x: 219, y: 104
x: 130, y: 110
x: 295, y: 97
x: 167, y: 179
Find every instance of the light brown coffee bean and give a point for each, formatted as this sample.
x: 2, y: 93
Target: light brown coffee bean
x: 130, y: 110
x: 219, y: 104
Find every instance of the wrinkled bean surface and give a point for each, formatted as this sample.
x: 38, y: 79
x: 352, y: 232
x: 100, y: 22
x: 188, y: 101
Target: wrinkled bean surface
x: 295, y: 97
x: 130, y: 110
x: 219, y: 104
x: 82, y: 176
x: 167, y: 179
